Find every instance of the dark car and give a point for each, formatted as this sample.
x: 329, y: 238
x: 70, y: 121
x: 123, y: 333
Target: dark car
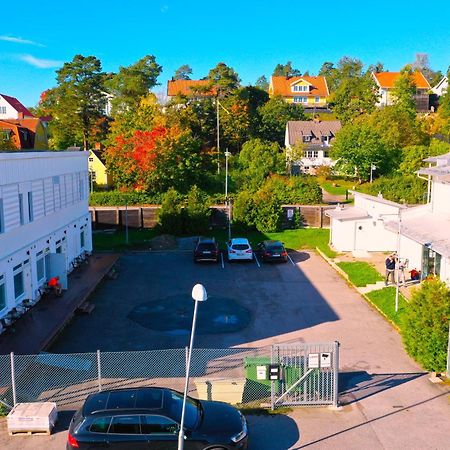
x: 272, y: 251
x: 149, y: 418
x: 206, y: 250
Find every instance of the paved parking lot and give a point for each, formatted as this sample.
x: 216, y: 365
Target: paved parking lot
x: 387, y: 402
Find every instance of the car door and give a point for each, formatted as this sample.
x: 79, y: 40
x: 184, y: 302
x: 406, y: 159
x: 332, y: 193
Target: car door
x: 161, y: 432
x: 124, y: 433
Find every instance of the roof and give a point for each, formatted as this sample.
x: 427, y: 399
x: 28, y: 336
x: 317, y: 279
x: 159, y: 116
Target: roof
x: 386, y: 80
x: 349, y: 213
x: 17, y: 105
x: 183, y: 87
x: 283, y: 86
x: 316, y: 129
x: 377, y: 199
x: 99, y: 155
x: 440, y: 158
x: 424, y: 227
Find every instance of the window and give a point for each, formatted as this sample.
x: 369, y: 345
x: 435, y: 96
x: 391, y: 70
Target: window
x: 2, y: 217
x: 300, y: 99
x: 311, y: 153
x: 317, y: 99
x: 158, y: 424
x: 307, y: 138
x: 21, y: 215
x: 100, y: 425
x: 81, y: 184
x: 125, y: 425
x: 18, y: 285
x: 91, y: 159
x: 326, y: 153
x: 30, y: 206
x: 82, y: 240
x: 40, y: 266
x: 2, y: 109
x: 297, y: 88
x: 2, y: 293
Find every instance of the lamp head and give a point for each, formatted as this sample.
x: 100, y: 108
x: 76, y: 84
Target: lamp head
x: 199, y: 293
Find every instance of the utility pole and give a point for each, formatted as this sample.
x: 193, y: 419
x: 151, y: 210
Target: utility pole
x: 218, y: 135
x: 397, y: 288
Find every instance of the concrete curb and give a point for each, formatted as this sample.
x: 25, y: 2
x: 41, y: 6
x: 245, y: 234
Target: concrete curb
x: 345, y: 276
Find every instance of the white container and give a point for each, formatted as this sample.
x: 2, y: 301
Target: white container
x: 32, y: 418
x: 229, y: 390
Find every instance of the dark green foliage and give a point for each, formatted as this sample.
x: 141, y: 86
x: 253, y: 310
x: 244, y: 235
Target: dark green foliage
x: 118, y: 198
x: 184, y: 72
x: 413, y: 156
x: 223, y: 79
x: 425, y: 325
x: 171, y: 213
x: 399, y: 188
x: 404, y: 90
x: 285, y: 70
x: 197, y: 212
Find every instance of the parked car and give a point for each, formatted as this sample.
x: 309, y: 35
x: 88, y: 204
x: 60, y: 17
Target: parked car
x: 272, y: 251
x: 146, y: 418
x: 239, y: 249
x: 206, y: 250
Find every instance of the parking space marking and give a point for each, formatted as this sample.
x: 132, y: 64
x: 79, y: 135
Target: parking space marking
x: 221, y: 257
x: 290, y: 259
x: 256, y: 259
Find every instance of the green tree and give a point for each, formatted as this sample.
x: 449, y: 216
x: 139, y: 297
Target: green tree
x: 197, y: 211
x: 223, y: 79
x: 77, y: 101
x: 6, y: 142
x: 286, y: 70
x: 274, y: 116
x: 183, y: 72
x: 262, y: 83
x: 413, y: 155
x: 356, y: 147
x: 170, y: 217
x: 257, y: 160
x: 409, y: 189
x: 404, y: 90
x: 132, y: 83
x: 425, y: 325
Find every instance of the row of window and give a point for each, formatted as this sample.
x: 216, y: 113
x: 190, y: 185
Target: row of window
x: 305, y: 99
x: 300, y: 88
x: 308, y: 137
x: 314, y: 154
x: 2, y: 109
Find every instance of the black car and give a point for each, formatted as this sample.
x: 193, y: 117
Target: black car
x: 272, y: 251
x: 206, y: 250
x: 149, y: 418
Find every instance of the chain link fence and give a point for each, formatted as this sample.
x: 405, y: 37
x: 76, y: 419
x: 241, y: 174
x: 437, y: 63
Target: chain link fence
x: 216, y: 374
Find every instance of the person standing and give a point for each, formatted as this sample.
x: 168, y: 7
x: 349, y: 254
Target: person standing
x: 390, y: 269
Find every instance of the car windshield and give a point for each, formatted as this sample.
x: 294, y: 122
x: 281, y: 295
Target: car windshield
x: 240, y: 247
x: 193, y: 409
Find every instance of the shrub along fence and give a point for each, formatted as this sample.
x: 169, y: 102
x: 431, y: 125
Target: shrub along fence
x: 147, y: 216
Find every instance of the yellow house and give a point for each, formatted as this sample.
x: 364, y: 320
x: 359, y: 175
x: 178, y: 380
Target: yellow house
x: 97, y: 169
x: 307, y: 91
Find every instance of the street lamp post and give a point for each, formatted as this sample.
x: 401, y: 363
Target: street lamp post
x: 199, y: 294
x: 227, y: 155
x: 399, y: 232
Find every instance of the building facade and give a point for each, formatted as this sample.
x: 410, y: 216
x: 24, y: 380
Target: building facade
x: 310, y: 92
x: 44, y: 221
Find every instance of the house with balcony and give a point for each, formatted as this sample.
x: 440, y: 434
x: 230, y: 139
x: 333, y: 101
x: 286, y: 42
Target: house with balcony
x: 385, y: 82
x: 310, y: 92
x: 419, y: 234
x: 44, y: 221
x: 316, y: 138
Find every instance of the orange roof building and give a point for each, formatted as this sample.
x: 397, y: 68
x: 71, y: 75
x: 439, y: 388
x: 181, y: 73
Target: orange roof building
x: 25, y: 134
x: 196, y: 88
x: 305, y: 90
x: 386, y: 81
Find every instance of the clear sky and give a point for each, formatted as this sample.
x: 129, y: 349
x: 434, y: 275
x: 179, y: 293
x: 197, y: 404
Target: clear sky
x: 251, y: 36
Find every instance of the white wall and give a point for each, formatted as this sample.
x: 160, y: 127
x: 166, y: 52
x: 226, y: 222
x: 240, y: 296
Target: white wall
x: 11, y: 113
x: 57, y: 185
x: 440, y: 197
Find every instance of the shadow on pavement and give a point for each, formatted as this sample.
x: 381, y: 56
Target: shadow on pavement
x: 278, y: 432
x: 64, y: 418
x: 355, y: 386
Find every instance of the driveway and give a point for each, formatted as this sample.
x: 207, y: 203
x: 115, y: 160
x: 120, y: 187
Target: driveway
x: 387, y: 400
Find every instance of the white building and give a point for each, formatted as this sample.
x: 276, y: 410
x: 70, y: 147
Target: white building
x: 316, y: 136
x: 441, y: 88
x: 44, y: 221
x: 420, y: 234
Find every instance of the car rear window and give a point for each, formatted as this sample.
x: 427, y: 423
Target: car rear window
x: 208, y: 247
x: 95, y: 403
x: 240, y: 247
x: 276, y: 248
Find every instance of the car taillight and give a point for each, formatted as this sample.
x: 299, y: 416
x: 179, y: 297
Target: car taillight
x: 72, y: 441
x: 284, y: 254
x: 249, y: 251
x: 267, y: 254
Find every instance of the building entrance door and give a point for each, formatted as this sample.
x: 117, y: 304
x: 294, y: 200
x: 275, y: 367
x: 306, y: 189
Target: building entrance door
x: 431, y: 262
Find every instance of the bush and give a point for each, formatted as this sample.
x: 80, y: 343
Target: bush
x: 425, y: 325
x: 171, y: 213
x: 197, y: 212
x: 119, y: 198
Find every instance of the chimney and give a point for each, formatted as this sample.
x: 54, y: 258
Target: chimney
x: 98, y: 146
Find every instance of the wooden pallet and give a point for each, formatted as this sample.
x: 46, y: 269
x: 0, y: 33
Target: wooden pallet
x: 29, y: 432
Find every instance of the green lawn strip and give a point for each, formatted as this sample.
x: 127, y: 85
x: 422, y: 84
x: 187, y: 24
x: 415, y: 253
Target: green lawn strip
x: 338, y: 187
x: 360, y: 273
x: 116, y: 240
x: 384, y: 299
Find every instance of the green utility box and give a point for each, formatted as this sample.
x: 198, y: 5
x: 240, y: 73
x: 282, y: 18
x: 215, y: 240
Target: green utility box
x: 257, y: 388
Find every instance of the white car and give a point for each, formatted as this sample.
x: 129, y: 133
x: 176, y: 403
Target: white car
x: 239, y: 249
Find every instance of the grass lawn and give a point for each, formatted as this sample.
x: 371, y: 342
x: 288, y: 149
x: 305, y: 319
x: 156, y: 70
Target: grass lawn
x: 385, y: 300
x: 293, y: 239
x: 360, y: 273
x: 341, y: 186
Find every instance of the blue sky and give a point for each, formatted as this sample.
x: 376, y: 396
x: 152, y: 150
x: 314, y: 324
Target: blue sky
x: 251, y: 36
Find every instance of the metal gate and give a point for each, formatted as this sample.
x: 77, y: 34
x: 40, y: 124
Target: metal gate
x: 304, y: 374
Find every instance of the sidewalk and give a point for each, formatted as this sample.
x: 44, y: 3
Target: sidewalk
x: 36, y: 329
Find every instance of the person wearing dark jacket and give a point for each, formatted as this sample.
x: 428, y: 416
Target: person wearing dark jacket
x: 390, y: 268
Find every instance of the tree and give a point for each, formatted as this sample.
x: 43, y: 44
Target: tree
x: 257, y: 160
x: 356, y: 147
x: 355, y: 96
x: 77, y: 102
x: 223, y: 79
x: 132, y: 83
x: 6, y: 142
x: 262, y: 83
x: 425, y: 325
x: 274, y: 116
x: 197, y: 211
x: 184, y: 72
x: 286, y: 70
x: 377, y: 68
x: 413, y: 156
x: 404, y: 90
x: 170, y: 217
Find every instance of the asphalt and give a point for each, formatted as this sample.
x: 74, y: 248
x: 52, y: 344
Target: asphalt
x: 387, y: 401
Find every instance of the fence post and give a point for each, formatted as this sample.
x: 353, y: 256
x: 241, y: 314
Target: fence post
x: 186, y: 351
x: 272, y: 383
x: 336, y: 375
x: 99, y: 371
x: 13, y: 379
